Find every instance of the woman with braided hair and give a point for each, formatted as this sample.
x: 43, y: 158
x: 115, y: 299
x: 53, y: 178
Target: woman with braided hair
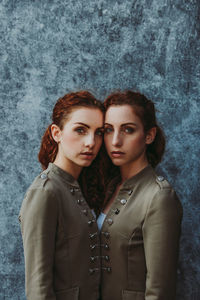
x: 141, y: 216
x: 59, y: 230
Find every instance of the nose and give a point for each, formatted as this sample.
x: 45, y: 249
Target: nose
x: 117, y: 139
x: 90, y: 141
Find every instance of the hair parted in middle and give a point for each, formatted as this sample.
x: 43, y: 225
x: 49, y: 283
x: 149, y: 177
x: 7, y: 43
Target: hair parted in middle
x: 145, y: 110
x: 90, y: 179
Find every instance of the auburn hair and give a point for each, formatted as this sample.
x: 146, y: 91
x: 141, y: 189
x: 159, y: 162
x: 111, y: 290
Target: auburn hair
x: 90, y: 180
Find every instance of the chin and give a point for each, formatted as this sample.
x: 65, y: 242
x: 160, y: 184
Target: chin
x: 86, y: 164
x: 117, y: 162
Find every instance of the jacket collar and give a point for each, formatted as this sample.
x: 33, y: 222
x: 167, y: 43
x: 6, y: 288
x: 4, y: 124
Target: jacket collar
x: 63, y: 174
x: 142, y: 176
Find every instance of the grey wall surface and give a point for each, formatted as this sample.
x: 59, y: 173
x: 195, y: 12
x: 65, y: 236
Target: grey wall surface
x: 48, y: 48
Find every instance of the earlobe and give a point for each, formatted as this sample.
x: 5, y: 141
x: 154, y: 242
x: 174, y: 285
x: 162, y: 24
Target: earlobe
x: 151, y: 134
x: 56, y: 133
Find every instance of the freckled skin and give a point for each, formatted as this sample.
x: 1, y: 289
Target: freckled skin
x: 124, y: 132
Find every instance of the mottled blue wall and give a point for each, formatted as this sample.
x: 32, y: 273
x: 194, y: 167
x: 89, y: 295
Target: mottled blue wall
x: 48, y: 48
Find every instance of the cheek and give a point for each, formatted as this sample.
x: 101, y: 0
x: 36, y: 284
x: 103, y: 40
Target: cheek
x: 70, y: 138
x: 137, y: 142
x: 107, y: 140
x: 98, y: 143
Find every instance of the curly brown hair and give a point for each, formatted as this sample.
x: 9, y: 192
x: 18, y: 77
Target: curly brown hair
x: 90, y: 179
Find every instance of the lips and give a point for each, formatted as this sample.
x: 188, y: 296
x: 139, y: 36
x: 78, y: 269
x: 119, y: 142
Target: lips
x: 117, y: 154
x: 87, y: 155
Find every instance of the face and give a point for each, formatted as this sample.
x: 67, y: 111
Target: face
x: 81, y: 137
x: 124, y: 136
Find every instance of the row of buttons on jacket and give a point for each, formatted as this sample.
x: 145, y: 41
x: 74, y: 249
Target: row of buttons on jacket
x: 116, y: 211
x: 93, y: 236
x: 110, y: 221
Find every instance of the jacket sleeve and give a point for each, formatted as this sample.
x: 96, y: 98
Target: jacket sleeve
x: 161, y: 231
x: 38, y: 217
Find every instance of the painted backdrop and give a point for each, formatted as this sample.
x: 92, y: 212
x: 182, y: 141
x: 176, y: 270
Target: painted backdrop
x: 51, y: 47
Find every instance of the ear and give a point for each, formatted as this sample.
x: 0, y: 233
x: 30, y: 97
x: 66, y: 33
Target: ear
x: 56, y: 133
x: 150, y: 136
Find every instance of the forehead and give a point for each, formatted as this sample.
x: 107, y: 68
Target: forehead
x: 87, y: 115
x: 121, y: 114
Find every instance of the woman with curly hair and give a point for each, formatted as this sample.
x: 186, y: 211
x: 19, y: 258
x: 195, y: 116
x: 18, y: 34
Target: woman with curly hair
x: 141, y: 218
x: 58, y: 228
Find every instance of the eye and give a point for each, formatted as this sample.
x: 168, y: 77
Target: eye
x: 99, y: 132
x: 128, y: 130
x: 80, y: 130
x: 108, y: 129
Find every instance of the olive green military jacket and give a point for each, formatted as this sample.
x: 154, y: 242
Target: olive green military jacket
x: 142, y: 231
x: 60, y: 238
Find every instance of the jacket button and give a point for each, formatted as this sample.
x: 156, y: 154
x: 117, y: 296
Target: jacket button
x: 109, y: 221
x: 123, y: 201
x: 108, y: 269
x: 160, y: 178
x: 117, y: 211
x: 43, y: 176
x: 130, y: 192
x: 91, y: 271
x: 106, y: 234
x: 92, y: 247
x: 107, y: 258
x: 90, y: 222
x: 72, y: 190
x: 92, y: 258
x: 85, y: 212
x: 106, y: 246
x: 79, y: 201
x: 92, y: 235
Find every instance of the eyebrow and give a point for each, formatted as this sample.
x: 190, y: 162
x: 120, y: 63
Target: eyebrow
x: 124, y: 124
x: 83, y: 124
x: 80, y: 123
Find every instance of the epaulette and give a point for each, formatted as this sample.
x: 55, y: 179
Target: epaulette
x: 162, y: 182
x: 44, y: 177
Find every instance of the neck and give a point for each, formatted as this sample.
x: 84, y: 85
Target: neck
x: 68, y: 166
x: 130, y: 170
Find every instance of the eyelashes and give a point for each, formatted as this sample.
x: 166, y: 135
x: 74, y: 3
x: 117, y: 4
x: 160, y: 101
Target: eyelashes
x: 99, y: 132
x: 128, y: 130
x: 108, y: 130
x: 82, y: 131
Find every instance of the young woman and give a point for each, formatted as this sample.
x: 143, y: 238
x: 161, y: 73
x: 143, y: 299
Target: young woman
x: 140, y: 223
x: 58, y: 228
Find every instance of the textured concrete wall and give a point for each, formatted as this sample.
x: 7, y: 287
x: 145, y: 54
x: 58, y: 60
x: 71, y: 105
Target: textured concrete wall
x: 48, y: 48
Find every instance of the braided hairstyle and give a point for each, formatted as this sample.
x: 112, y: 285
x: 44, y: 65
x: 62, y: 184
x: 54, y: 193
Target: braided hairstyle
x: 145, y: 110
x: 90, y: 180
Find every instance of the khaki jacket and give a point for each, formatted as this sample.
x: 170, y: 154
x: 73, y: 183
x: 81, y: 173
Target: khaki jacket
x: 60, y: 238
x: 142, y: 231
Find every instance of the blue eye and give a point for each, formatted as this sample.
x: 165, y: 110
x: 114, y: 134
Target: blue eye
x: 128, y: 130
x: 99, y: 132
x: 80, y: 130
x: 108, y: 130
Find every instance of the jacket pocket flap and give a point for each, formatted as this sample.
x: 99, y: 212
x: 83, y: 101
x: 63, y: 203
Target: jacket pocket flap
x: 132, y: 295
x: 69, y: 294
